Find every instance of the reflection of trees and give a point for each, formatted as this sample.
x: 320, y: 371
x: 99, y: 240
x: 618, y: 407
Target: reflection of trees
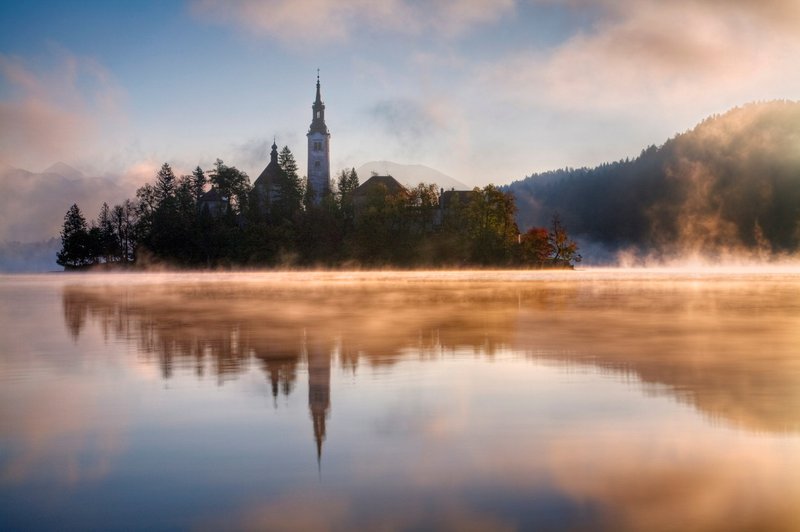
x: 702, y: 344
x: 221, y: 329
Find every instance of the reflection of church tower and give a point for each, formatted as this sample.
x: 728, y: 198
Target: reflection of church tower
x: 319, y: 391
x: 319, y: 168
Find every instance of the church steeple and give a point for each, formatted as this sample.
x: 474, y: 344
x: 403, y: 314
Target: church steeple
x: 318, y: 116
x: 273, y: 156
x: 319, y: 173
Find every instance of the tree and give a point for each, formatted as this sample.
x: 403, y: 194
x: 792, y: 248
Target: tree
x: 123, y: 220
x: 74, y: 240
x: 492, y: 228
x: 108, y: 244
x: 146, y: 204
x: 346, y: 184
x: 290, y: 189
x: 165, y: 183
x: 564, y: 250
x: 198, y: 180
x: 232, y: 184
x: 535, y: 248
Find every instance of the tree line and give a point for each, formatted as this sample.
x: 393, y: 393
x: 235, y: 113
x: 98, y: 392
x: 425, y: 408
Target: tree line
x: 172, y: 221
x: 732, y: 182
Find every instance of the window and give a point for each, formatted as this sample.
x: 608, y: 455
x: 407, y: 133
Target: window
x: 318, y: 113
x: 316, y: 164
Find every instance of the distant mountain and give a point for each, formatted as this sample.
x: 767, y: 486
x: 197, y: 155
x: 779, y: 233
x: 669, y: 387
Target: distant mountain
x: 32, y: 205
x: 410, y: 175
x: 16, y: 257
x: 63, y: 170
x: 732, y: 183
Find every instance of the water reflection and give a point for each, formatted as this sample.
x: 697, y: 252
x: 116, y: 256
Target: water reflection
x: 729, y: 347
x: 400, y: 401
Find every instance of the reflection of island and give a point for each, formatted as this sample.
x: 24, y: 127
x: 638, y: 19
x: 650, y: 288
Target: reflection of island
x: 700, y: 345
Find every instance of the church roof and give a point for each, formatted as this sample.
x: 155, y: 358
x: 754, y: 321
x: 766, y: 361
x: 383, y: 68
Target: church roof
x: 270, y: 174
x: 211, y: 196
x: 391, y: 185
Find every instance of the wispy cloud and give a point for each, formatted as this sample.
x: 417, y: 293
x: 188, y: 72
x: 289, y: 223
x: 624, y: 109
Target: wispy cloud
x: 415, y: 129
x: 322, y: 21
x: 659, y: 53
x: 57, y: 112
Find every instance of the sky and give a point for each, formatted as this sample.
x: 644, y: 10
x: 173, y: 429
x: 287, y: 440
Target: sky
x: 486, y: 91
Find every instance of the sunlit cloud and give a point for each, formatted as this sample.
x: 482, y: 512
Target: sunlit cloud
x: 322, y: 21
x: 32, y: 205
x: 59, y: 112
x: 660, y: 54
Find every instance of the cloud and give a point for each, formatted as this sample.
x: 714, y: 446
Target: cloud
x: 59, y: 112
x: 323, y: 21
x: 32, y: 205
x: 414, y: 129
x: 408, y: 121
x: 683, y: 52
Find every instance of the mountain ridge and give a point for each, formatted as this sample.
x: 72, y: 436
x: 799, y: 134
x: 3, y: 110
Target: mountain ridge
x: 730, y: 183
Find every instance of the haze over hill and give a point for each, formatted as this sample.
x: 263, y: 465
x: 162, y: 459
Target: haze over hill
x: 410, y: 175
x: 731, y: 185
x: 32, y: 205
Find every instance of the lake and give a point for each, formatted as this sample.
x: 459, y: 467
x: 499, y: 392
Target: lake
x: 602, y: 399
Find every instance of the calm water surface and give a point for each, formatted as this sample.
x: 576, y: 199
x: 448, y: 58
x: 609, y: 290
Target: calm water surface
x: 465, y: 401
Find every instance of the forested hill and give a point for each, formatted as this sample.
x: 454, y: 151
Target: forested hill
x: 732, y: 182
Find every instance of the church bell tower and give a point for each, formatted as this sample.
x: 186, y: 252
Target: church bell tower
x: 319, y: 168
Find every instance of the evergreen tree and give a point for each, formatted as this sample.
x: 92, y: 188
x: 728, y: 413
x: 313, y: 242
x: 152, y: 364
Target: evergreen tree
x: 108, y: 245
x: 290, y: 189
x: 74, y: 240
x: 198, y: 180
x: 346, y: 184
x: 165, y: 183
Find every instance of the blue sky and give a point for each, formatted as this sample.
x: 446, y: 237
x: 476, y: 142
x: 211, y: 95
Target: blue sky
x: 485, y: 91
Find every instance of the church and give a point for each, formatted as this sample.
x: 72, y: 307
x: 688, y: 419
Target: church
x: 267, y: 185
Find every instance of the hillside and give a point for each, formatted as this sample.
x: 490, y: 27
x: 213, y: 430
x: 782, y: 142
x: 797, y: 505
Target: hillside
x: 410, y: 175
x: 731, y: 183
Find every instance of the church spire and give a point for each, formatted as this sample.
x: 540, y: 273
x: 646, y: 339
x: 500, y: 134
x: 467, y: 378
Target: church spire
x: 319, y: 164
x: 318, y: 101
x: 273, y: 156
x: 318, y: 115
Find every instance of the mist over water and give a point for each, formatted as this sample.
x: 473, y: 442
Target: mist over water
x: 604, y: 398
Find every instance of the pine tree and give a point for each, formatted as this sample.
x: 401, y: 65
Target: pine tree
x: 74, y: 240
x: 165, y: 183
x: 108, y: 244
x: 198, y: 183
x: 290, y: 190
